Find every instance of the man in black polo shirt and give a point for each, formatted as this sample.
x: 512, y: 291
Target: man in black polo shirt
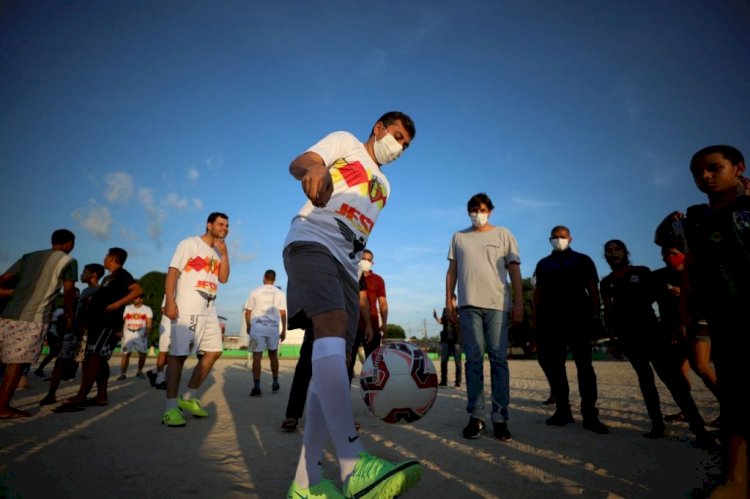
x: 566, y: 306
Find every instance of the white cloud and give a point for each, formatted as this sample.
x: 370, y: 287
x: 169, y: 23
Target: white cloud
x: 215, y: 162
x: 532, y: 203
x: 156, y: 215
x: 94, y: 218
x: 198, y: 203
x: 193, y: 174
x: 175, y: 201
x: 119, y: 187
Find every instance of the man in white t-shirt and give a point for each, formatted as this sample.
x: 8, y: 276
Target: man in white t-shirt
x: 137, y: 320
x: 198, y: 265
x: 265, y: 311
x: 346, y: 189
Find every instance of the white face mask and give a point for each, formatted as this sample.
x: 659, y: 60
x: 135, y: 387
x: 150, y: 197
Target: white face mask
x: 365, y: 265
x: 387, y: 149
x: 559, y: 244
x: 479, y: 219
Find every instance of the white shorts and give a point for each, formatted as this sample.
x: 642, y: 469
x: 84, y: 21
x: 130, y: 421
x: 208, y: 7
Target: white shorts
x: 259, y: 343
x: 134, y: 341
x: 192, y: 333
x: 20, y: 341
x: 165, y: 333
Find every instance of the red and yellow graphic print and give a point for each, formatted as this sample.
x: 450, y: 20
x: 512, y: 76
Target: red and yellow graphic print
x: 354, y: 175
x: 207, y: 265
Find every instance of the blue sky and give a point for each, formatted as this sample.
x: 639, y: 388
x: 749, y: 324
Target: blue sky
x: 128, y: 122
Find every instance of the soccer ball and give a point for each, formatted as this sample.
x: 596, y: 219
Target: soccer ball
x: 398, y: 382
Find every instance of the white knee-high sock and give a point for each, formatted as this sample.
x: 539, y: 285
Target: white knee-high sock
x: 313, y: 442
x: 330, y: 382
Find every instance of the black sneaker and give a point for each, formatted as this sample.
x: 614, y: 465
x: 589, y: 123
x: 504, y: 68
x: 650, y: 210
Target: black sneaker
x: 275, y: 386
x: 655, y: 433
x: 593, y: 424
x: 501, y: 432
x: 443, y: 383
x: 474, y: 428
x: 161, y: 386
x: 550, y: 401
x: 151, y: 378
x: 39, y: 372
x: 560, y: 418
x: 255, y: 392
x: 706, y: 441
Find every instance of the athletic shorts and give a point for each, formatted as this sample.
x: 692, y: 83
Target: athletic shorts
x: 69, y: 346
x: 317, y: 283
x: 259, y: 343
x: 194, y: 333
x: 165, y: 333
x: 134, y: 341
x: 20, y: 341
x: 102, y: 342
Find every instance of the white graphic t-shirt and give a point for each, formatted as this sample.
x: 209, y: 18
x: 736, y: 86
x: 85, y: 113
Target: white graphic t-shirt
x: 136, y: 317
x: 198, y: 283
x: 360, y: 191
x: 266, y: 303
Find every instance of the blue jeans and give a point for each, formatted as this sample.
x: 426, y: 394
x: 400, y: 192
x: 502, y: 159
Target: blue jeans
x: 483, y: 330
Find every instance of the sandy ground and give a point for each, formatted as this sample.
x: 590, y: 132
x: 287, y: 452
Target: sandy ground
x: 122, y: 450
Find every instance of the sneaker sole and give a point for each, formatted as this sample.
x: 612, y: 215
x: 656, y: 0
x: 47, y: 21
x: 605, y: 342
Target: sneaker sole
x: 394, y: 483
x: 172, y: 425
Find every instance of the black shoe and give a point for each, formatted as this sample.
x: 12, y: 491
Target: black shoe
x: 47, y: 401
x: 706, y: 441
x: 501, y: 432
x: 655, y: 433
x: 275, y: 386
x: 443, y: 383
x: 39, y: 372
x: 550, y: 401
x: 458, y: 384
x: 151, y: 378
x: 560, y: 418
x: 675, y: 417
x: 593, y: 424
x: 474, y: 428
x: 161, y: 386
x: 255, y: 392
x: 716, y: 423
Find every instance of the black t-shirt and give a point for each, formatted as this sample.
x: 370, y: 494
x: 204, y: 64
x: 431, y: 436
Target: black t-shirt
x: 113, y: 288
x: 665, y: 279
x: 719, y: 241
x: 562, y: 280
x: 631, y: 297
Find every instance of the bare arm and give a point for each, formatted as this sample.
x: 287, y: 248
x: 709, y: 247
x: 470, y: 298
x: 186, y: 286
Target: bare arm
x: 514, y: 271
x: 135, y: 291
x: 364, y: 312
x: 221, y: 247
x: 170, y: 286
x: 248, y: 315
x: 383, y: 305
x: 311, y: 170
x: 282, y: 313
x: 450, y: 285
x: 69, y: 303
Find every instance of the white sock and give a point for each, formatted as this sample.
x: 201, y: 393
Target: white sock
x: 160, y: 377
x: 313, y: 442
x: 189, y: 393
x: 330, y: 382
x: 171, y: 404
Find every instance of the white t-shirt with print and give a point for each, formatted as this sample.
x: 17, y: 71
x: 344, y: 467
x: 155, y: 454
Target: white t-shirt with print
x: 360, y: 191
x: 136, y: 317
x: 198, y: 283
x: 266, y: 304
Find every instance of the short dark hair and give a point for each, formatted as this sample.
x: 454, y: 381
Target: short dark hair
x: 479, y: 199
x: 393, y: 116
x: 558, y: 227
x: 62, y: 236
x: 270, y: 275
x: 95, y: 268
x: 214, y: 215
x: 368, y: 251
x: 620, y: 244
x: 732, y: 154
x: 119, y: 254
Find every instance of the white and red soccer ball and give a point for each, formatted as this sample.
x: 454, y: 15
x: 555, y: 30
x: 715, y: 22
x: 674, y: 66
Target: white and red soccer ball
x: 398, y: 382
